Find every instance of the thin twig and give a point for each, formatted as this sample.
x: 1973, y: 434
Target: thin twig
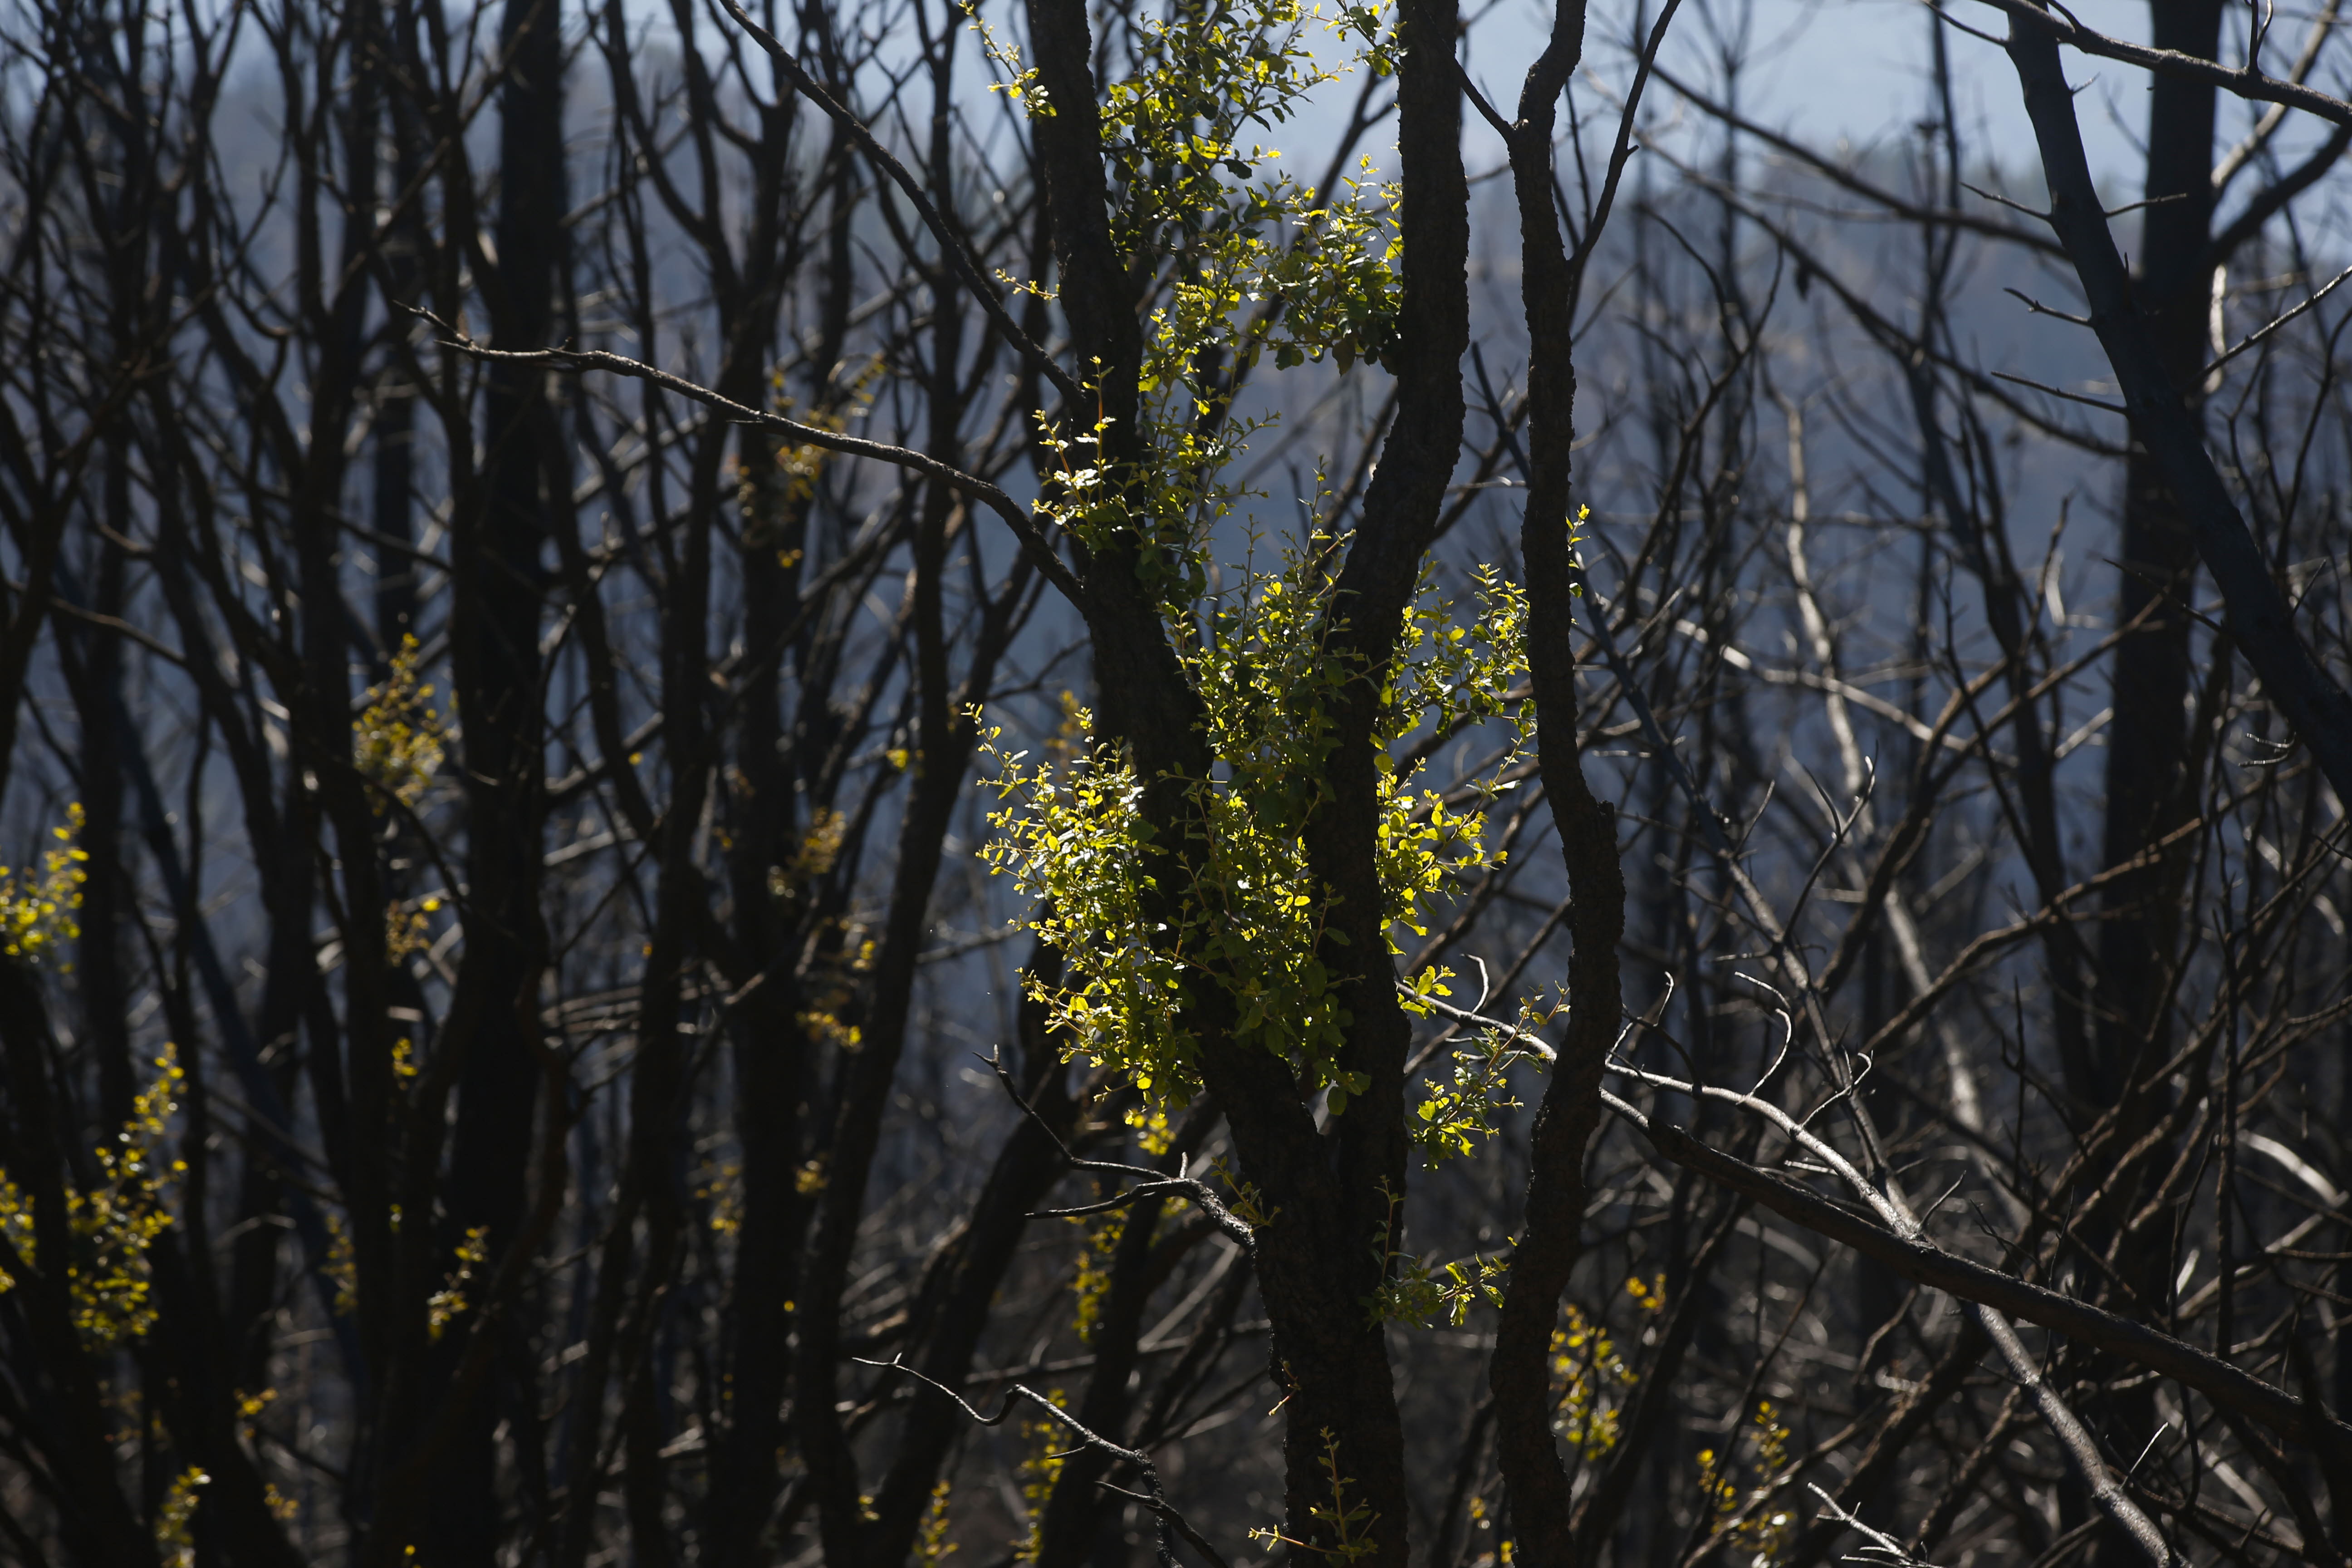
x: 2060, y: 392
x: 1156, y: 1500
x: 2258, y: 335
x: 1156, y: 1183
x: 1023, y: 525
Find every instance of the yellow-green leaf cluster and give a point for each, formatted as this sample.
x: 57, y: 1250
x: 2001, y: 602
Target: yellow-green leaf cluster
x: 1251, y: 261
x: 1251, y: 914
x: 397, y: 742
x: 36, y: 908
x: 1188, y: 182
x: 1454, y: 1117
x: 1041, y: 1468
x: 343, y: 1265
x: 176, y: 1544
x: 1591, y: 1379
x: 1345, y: 1523
x: 1091, y: 1286
x: 112, y: 1226
x: 1763, y: 1534
x: 446, y: 1305
x: 1261, y: 263
x: 1418, y: 1292
x: 932, y: 1544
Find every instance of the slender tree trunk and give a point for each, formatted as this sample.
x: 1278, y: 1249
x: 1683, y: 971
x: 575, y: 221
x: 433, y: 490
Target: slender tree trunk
x: 2147, y: 741
x: 499, y: 583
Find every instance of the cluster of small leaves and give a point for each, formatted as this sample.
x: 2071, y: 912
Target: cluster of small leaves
x: 1041, y: 1468
x: 813, y: 858
x: 37, y: 909
x: 1020, y: 82
x: 823, y: 1021
x: 448, y: 1303
x: 1264, y: 262
x: 1246, y: 1204
x: 1187, y: 182
x: 343, y: 1265
x: 1072, y: 837
x: 15, y: 1227
x: 398, y: 740
x: 408, y: 928
x: 1154, y: 1133
x: 1092, y: 1283
x: 1251, y: 918
x: 111, y: 1227
x: 1173, y: 503
x: 1346, y: 1524
x: 175, y: 1543
x: 1454, y: 1117
x: 1420, y: 1292
x: 724, y: 1193
x: 933, y: 1546
x: 249, y: 1407
x: 1765, y: 1534
x: 798, y: 467
x: 1591, y: 1376
x: 1257, y: 920
x: 839, y: 965
x: 1447, y: 675
x: 1206, y: 76
x: 1261, y: 264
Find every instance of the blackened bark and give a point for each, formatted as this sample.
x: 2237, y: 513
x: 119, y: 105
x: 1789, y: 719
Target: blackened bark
x: 770, y: 1046
x: 1336, y: 1352
x: 392, y: 480
x: 1082, y: 1517
x: 1145, y: 703
x: 1073, y: 1514
x: 524, y: 492
x: 951, y: 1323
x: 2293, y: 1419
x: 1518, y: 1373
x: 2147, y: 741
x: 105, y: 988
x: 69, y: 1407
x: 2256, y: 612
x: 1337, y: 1198
x: 944, y: 735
